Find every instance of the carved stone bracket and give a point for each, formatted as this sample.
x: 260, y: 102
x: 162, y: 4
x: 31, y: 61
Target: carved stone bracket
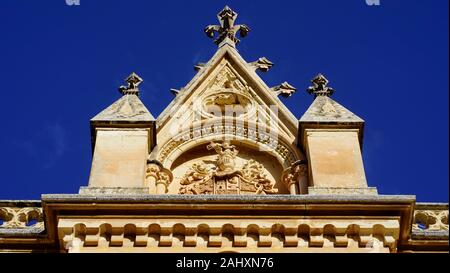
x: 21, y: 218
x: 295, y: 178
x: 284, y: 89
x: 157, y: 177
x: 262, y: 64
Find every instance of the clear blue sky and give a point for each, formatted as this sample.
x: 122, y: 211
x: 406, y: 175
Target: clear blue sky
x: 61, y: 65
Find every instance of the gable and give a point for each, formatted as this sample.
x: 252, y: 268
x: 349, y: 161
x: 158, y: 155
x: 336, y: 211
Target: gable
x: 236, y: 80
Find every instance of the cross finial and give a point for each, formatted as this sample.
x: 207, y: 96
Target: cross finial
x: 133, y: 82
x: 227, y: 31
x: 320, y: 87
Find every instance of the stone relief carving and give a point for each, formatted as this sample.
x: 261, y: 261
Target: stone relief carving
x: 328, y: 108
x: 222, y: 177
x: 227, y: 79
x: 227, y: 92
x: 282, y: 149
x: 159, y: 176
x: 295, y: 177
x: 292, y: 175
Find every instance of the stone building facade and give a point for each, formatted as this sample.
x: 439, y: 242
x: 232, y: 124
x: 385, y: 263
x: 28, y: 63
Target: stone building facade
x: 226, y: 167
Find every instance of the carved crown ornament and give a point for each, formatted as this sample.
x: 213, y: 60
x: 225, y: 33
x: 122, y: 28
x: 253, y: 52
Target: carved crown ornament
x: 222, y: 176
x: 133, y: 82
x: 227, y: 30
x: 320, y: 87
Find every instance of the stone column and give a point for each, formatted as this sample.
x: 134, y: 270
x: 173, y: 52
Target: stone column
x: 162, y: 183
x: 295, y: 178
x: 158, y: 178
x: 303, y: 178
x: 151, y: 177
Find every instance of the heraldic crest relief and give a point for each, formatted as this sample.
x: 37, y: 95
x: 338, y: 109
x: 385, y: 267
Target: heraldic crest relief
x: 222, y: 177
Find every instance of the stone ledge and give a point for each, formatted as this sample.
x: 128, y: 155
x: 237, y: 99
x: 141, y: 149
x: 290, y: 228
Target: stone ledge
x: 342, y: 191
x: 418, y: 234
x: 20, y: 203
x: 263, y: 199
x: 21, y: 232
x: 431, y: 206
x: 112, y: 190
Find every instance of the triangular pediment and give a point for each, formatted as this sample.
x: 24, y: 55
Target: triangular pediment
x: 227, y: 79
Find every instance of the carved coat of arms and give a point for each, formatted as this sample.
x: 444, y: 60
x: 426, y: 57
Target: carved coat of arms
x: 222, y: 176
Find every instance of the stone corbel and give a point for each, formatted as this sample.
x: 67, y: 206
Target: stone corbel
x: 157, y: 177
x: 295, y: 178
x: 284, y: 89
x: 262, y: 64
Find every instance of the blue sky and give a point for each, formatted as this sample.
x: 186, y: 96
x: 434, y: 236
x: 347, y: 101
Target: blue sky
x: 61, y: 65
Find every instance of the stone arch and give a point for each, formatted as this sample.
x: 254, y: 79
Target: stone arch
x: 284, y: 151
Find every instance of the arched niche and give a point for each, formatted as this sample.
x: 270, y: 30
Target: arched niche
x: 197, y: 152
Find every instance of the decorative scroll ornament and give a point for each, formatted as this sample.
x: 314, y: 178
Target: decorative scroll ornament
x: 222, y: 177
x: 320, y: 87
x: 227, y: 29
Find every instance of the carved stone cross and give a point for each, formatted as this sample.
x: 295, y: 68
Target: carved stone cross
x: 320, y: 87
x: 227, y: 30
x: 133, y: 82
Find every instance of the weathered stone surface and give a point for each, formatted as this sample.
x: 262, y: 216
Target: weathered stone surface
x: 120, y: 158
x: 129, y: 108
x: 335, y: 159
x: 273, y: 198
x: 325, y: 110
x: 113, y: 190
x: 342, y: 190
x: 227, y: 30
